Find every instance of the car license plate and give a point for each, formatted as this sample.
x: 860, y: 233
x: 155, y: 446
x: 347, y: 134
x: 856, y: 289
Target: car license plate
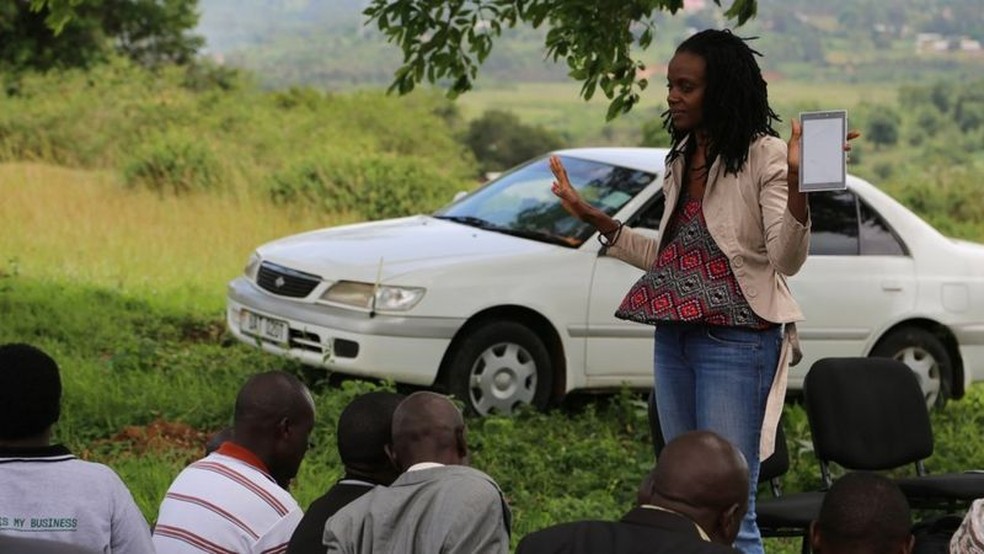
x: 263, y: 327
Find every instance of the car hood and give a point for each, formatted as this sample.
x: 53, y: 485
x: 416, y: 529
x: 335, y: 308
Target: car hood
x: 405, y: 245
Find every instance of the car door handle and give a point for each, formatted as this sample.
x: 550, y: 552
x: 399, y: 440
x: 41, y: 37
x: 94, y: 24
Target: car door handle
x: 891, y: 286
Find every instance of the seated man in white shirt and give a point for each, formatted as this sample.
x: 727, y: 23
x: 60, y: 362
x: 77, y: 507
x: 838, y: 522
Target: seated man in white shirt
x: 50, y: 501
x: 236, y: 499
x: 437, y: 505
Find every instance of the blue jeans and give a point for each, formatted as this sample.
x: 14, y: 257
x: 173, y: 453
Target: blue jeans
x: 718, y: 378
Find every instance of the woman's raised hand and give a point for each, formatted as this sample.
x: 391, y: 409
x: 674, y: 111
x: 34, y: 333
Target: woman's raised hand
x: 570, y: 199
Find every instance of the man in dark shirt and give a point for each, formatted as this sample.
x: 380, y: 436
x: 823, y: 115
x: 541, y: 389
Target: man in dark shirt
x: 692, y: 501
x: 438, y: 504
x: 863, y: 513
x: 363, y: 432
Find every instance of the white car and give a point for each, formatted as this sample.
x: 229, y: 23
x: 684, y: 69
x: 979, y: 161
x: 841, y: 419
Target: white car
x: 502, y: 299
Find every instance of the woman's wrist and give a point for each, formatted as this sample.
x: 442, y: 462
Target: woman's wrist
x: 792, y: 180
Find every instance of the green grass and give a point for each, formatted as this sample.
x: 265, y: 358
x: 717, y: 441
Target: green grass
x: 73, y: 225
x: 128, y: 362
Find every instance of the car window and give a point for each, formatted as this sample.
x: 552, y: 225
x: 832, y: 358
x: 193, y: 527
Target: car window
x: 650, y: 216
x: 834, y: 215
x: 877, y: 238
x: 520, y: 202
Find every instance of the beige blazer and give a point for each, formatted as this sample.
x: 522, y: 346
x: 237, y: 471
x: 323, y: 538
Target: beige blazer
x: 747, y: 217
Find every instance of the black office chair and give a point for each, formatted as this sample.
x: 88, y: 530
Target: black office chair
x: 870, y: 414
x: 780, y: 516
x: 785, y: 515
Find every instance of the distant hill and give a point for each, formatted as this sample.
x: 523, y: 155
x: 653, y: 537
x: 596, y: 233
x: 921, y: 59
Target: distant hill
x: 324, y: 42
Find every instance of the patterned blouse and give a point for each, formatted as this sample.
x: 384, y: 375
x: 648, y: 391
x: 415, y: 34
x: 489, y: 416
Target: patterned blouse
x: 691, y: 280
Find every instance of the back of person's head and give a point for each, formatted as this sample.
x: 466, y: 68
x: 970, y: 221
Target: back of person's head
x: 30, y: 392
x: 428, y: 427
x: 863, y: 513
x: 705, y: 478
x: 273, y: 418
x: 364, y: 430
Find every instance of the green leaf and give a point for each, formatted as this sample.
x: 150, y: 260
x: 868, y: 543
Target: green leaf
x: 743, y: 10
x: 588, y: 90
x: 615, y: 108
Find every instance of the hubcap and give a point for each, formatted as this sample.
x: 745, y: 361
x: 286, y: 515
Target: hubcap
x: 502, y: 378
x: 926, y: 368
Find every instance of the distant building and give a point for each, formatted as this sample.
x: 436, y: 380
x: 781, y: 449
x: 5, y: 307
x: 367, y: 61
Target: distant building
x: 694, y: 5
x: 931, y: 42
x: 970, y: 45
x: 937, y: 43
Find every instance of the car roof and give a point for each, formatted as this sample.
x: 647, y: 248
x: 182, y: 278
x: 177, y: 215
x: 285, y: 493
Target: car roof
x: 645, y: 159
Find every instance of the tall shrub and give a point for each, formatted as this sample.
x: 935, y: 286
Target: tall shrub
x: 174, y: 162
x: 375, y: 186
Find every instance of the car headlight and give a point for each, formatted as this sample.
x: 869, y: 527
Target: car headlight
x: 360, y: 295
x: 252, y: 265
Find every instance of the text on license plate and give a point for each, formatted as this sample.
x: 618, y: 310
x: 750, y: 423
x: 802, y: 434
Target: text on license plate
x: 263, y: 327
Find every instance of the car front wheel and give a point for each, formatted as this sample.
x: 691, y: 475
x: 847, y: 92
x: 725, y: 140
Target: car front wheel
x: 500, y: 366
x: 928, y: 358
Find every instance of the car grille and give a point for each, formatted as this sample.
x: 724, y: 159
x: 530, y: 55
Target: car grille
x: 284, y: 281
x: 305, y: 340
x: 311, y: 342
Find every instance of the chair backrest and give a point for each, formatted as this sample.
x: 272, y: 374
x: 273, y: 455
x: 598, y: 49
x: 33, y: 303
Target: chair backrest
x: 771, y: 468
x: 866, y: 413
x: 655, y: 430
x: 778, y: 463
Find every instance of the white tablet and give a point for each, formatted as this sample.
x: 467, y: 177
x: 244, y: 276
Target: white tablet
x: 822, y: 156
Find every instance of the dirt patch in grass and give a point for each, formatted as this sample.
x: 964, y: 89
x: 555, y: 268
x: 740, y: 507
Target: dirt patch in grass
x: 158, y: 437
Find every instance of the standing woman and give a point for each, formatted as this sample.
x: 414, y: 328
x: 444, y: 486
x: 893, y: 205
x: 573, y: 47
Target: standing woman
x: 735, y: 226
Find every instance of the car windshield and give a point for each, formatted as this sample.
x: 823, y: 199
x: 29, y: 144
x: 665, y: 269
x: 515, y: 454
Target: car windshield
x: 520, y: 202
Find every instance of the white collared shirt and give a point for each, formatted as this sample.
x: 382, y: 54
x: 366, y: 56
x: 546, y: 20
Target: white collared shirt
x: 424, y: 465
x: 700, y: 530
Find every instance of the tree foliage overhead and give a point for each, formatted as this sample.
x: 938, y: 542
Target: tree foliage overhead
x: 449, y: 39
x: 44, y: 34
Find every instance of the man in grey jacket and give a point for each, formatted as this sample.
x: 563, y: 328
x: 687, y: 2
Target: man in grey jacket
x: 437, y: 505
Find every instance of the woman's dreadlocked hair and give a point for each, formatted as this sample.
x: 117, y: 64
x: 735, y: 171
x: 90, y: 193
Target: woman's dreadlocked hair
x: 736, y: 103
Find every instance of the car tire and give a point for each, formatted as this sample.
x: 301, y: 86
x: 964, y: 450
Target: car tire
x: 926, y: 354
x: 499, y: 366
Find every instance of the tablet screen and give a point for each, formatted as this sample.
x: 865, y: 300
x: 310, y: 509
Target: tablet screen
x: 822, y: 155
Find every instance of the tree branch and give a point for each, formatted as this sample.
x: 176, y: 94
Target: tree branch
x: 452, y: 38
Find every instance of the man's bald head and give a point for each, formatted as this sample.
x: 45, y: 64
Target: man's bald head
x: 273, y: 418
x: 427, y: 427
x: 267, y: 397
x: 704, y: 477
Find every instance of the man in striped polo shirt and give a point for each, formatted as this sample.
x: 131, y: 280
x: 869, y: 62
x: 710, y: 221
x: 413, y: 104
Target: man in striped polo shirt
x: 235, y: 500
